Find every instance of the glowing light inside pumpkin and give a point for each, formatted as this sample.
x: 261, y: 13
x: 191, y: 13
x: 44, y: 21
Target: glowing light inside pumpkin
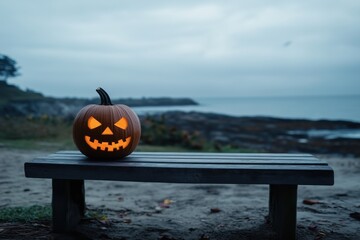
x: 122, y: 123
x: 106, y: 146
x: 93, y: 123
x: 107, y: 131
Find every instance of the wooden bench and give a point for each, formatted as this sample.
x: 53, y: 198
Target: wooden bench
x: 283, y: 172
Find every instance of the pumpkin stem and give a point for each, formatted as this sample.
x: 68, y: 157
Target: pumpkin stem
x: 104, y: 97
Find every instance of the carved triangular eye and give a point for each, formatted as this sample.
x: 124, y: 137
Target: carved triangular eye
x: 93, y: 123
x: 122, y: 123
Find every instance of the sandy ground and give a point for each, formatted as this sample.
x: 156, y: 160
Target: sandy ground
x: 185, y: 211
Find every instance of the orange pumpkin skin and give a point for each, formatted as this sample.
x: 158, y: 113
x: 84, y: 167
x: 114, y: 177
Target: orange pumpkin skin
x: 106, y: 131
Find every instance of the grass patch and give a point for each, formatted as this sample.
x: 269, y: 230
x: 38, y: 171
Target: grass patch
x: 39, y: 133
x: 55, y: 133
x: 25, y: 214
x: 44, y: 127
x: 36, y: 144
x: 98, y: 214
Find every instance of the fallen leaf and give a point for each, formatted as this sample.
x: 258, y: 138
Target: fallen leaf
x: 215, y: 210
x: 167, y: 201
x: 310, y: 201
x: 127, y: 220
x: 320, y: 236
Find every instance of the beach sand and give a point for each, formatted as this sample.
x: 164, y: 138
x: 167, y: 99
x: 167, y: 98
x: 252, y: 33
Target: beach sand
x: 127, y: 210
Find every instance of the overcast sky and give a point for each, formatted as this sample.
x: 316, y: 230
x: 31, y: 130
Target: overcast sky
x: 184, y: 48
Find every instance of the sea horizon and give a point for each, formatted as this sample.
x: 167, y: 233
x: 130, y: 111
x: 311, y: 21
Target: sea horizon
x: 332, y: 107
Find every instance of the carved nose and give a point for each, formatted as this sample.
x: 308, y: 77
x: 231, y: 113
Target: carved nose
x: 107, y: 131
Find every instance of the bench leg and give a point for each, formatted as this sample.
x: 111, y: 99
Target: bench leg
x: 282, y: 210
x: 68, y: 204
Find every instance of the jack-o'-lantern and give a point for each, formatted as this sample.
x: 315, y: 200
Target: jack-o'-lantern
x: 106, y: 131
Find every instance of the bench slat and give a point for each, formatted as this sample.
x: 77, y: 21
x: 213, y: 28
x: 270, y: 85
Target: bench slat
x: 119, y: 166
x: 188, y: 160
x: 180, y: 174
x: 204, y: 154
x: 135, y: 168
x: 206, y: 158
x: 237, y: 157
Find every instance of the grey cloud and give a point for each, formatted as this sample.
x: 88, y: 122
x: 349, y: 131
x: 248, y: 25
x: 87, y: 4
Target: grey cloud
x: 223, y: 48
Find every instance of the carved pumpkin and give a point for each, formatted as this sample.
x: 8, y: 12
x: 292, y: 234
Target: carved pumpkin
x: 106, y: 130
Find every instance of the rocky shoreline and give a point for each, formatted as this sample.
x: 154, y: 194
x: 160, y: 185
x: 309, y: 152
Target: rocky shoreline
x: 69, y: 107
x: 191, y: 130
x: 17, y: 102
x: 261, y: 134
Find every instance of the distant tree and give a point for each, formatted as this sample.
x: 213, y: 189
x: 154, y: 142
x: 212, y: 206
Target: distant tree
x: 8, y: 68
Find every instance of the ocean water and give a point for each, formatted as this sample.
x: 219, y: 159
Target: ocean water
x: 314, y: 108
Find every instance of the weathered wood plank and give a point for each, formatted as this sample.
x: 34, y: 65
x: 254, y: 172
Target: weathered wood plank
x: 200, y: 154
x: 194, y: 157
x: 199, y: 165
x: 68, y: 204
x: 82, y: 160
x: 182, y: 173
x: 203, y: 159
x: 147, y: 167
x: 282, y: 210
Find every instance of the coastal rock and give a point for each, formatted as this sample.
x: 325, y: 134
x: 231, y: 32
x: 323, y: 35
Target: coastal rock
x: 69, y: 107
x: 258, y: 133
x: 17, y: 102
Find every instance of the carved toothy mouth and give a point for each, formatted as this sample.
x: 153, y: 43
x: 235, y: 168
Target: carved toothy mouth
x: 106, y: 146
